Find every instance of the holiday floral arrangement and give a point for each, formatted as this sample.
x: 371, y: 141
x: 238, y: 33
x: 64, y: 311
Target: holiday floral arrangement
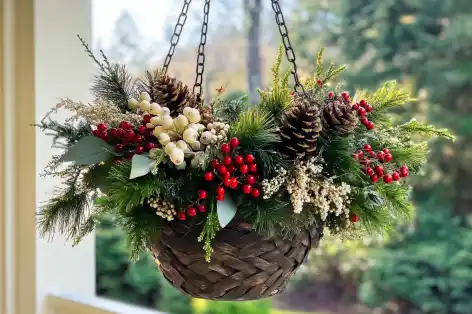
x: 152, y: 153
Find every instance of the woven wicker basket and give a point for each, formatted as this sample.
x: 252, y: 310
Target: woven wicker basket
x: 244, y: 266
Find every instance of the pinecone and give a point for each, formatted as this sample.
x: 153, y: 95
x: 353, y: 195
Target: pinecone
x: 206, y: 112
x: 173, y: 94
x: 339, y: 118
x: 301, y: 126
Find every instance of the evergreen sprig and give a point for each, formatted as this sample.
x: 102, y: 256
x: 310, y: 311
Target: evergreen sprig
x: 210, y: 229
x: 428, y: 131
x: 322, y: 74
x: 229, y: 111
x: 255, y: 130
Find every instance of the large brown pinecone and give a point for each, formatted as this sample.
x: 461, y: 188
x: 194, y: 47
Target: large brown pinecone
x: 301, y: 126
x: 339, y: 117
x: 173, y: 94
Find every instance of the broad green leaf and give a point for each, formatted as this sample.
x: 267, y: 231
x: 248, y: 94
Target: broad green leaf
x: 226, y: 211
x: 88, y: 151
x: 141, y: 165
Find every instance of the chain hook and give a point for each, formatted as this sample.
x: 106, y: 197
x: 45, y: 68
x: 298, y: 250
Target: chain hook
x: 197, y: 87
x: 176, y: 35
x: 280, y: 20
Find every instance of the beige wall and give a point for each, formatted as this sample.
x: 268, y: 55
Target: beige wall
x: 17, y: 224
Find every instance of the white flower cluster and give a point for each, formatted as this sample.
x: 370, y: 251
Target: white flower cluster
x: 272, y: 186
x: 306, y: 185
x: 181, y: 137
x: 163, y: 209
x: 96, y: 113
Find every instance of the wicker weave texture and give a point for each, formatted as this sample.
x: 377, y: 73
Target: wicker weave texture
x: 244, y: 266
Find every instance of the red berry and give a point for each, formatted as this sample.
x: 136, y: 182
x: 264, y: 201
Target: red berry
x: 380, y: 156
x: 225, y: 148
x: 214, y: 164
x: 125, y: 125
x: 367, y: 147
x: 364, y: 120
x: 192, y: 212
x: 249, y: 158
x: 292, y: 93
x: 404, y: 171
x: 355, y: 106
x: 119, y: 148
x: 243, y: 169
x: 370, y: 125
x: 130, y: 156
x: 379, y: 170
x: 252, y: 168
x: 220, y: 190
x: 369, y: 171
x: 354, y: 218
x: 345, y: 94
x: 374, y: 178
x: 331, y: 95
x: 363, y: 103
x: 247, y: 188
x: 138, y: 139
x: 102, y: 127
x: 209, y: 176
x: 150, y: 145
x: 142, y: 129
x: 201, y: 208
x: 96, y: 133
x: 104, y: 135
x: 361, y: 112
x: 369, y: 108
x: 404, y: 168
x: 181, y: 216
x: 319, y: 83
x: 202, y: 194
x: 222, y: 169
x: 355, y: 156
x: 388, y: 157
x: 360, y: 154
x: 388, y: 178
x: 220, y: 197
x: 255, y: 193
x: 113, y: 132
x: 372, y: 154
x: 250, y: 179
x: 227, y: 160
x: 395, y: 176
x: 238, y: 160
x: 120, y: 133
x: 147, y: 118
x: 227, y: 182
x: 234, y: 142
x: 231, y: 168
x: 129, y: 135
x: 234, y: 183
x: 227, y: 175
x: 139, y: 150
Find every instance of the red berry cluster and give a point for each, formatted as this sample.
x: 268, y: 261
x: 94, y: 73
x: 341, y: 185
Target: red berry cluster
x: 363, y: 108
x: 198, y: 206
x: 234, y: 172
x: 126, y: 138
x: 376, y: 164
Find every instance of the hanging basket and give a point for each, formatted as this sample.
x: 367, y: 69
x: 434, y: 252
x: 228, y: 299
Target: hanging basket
x: 244, y: 266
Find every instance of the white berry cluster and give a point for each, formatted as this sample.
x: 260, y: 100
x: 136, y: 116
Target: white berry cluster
x: 182, y: 137
x: 272, y: 186
x: 163, y: 209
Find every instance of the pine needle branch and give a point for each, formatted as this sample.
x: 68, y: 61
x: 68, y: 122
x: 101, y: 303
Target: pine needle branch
x: 428, y: 131
x: 210, y: 229
x: 255, y: 130
x: 91, y: 54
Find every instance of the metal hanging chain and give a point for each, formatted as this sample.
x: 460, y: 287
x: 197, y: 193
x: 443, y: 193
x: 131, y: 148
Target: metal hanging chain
x: 176, y: 36
x: 279, y: 18
x: 197, y: 87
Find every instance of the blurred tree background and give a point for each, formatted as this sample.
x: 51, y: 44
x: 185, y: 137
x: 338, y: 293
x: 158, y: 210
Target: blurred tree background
x: 426, y: 45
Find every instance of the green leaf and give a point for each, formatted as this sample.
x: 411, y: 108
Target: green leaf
x: 226, y: 211
x: 141, y: 165
x: 88, y: 151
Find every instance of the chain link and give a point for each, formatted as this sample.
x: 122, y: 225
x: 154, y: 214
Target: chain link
x: 279, y: 18
x: 176, y: 36
x: 197, y: 87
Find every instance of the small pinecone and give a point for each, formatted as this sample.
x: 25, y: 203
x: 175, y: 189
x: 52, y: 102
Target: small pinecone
x: 339, y: 118
x: 173, y: 94
x: 301, y: 126
x: 206, y: 113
